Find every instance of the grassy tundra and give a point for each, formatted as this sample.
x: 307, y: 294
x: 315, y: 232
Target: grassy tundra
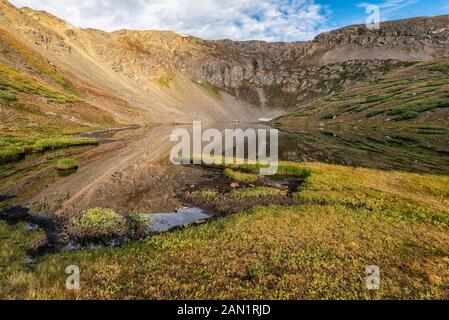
x: 350, y: 218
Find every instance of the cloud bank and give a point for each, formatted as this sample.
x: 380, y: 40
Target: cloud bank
x: 271, y: 20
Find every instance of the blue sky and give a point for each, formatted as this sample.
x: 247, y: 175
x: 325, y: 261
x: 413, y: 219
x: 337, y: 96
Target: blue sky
x: 271, y: 20
x: 348, y: 12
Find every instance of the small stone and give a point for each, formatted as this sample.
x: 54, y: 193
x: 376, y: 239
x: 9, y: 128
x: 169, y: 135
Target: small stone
x: 234, y: 185
x: 199, y: 222
x: 31, y: 227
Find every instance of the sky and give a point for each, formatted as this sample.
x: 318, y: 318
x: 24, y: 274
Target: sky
x: 270, y: 20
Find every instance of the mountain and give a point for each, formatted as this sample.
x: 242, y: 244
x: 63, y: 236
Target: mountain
x: 55, y: 76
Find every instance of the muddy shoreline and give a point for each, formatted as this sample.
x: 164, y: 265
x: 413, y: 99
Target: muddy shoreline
x: 119, y: 174
x: 194, y: 211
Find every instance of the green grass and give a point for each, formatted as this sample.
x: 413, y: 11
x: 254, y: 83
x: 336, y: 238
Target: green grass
x: 66, y: 164
x: 407, y: 115
x: 62, y: 142
x: 374, y: 113
x: 404, y: 97
x: 412, y: 109
x: 240, y: 176
x: 165, y: 81
x: 402, y: 196
x: 352, y: 218
x: 33, y: 60
x: 20, y: 82
x: 441, y: 68
x: 40, y: 143
x: 208, y: 194
x: 257, y: 192
x: 292, y: 169
x: 99, y: 218
x: 213, y: 91
x: 378, y: 98
x: 97, y: 222
x: 284, y: 168
x: 11, y: 153
x: 7, y: 96
x: 278, y: 98
x: 136, y: 223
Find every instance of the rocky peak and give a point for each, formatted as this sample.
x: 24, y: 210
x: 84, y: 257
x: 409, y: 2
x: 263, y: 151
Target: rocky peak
x: 414, y: 32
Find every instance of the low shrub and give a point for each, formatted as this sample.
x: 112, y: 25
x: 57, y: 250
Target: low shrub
x: 98, y: 224
x: 61, y: 142
x: 137, y: 225
x: 374, y: 113
x: 12, y: 153
x: 208, y: 194
x: 293, y: 170
x: 406, y: 116
x: 412, y: 109
x: 66, y: 164
x: 3, y: 205
x: 240, y: 176
x: 7, y: 96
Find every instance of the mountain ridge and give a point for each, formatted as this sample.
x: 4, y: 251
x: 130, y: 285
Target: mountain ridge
x: 142, y: 77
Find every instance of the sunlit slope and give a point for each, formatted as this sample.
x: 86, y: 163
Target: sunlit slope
x: 35, y: 95
x: 62, y: 77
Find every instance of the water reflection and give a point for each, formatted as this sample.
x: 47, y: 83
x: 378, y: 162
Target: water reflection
x: 385, y: 149
x: 163, y: 222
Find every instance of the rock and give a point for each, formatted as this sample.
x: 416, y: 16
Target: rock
x: 234, y: 185
x: 31, y: 227
x: 28, y: 261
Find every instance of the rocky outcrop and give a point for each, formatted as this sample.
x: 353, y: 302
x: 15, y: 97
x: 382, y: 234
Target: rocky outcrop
x: 411, y: 33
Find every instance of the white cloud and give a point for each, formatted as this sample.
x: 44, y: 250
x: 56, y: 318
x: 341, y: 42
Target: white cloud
x: 388, y: 7
x: 270, y: 20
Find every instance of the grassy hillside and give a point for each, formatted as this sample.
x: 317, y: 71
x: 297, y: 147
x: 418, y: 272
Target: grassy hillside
x: 415, y: 97
x: 320, y: 249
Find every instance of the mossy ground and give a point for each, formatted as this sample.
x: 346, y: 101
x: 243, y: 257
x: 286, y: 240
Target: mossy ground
x: 350, y: 218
